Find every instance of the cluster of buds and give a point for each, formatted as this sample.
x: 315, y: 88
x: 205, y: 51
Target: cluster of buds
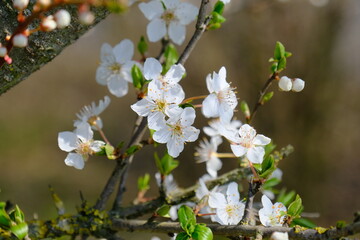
x: 286, y: 84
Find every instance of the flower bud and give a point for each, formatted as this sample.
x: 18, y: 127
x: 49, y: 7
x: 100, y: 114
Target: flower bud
x: 298, y: 85
x: 48, y: 24
x: 285, y: 84
x: 62, y: 18
x: 44, y: 3
x: 86, y: 17
x: 3, y: 51
x: 20, y: 4
x: 20, y: 40
x: 279, y: 236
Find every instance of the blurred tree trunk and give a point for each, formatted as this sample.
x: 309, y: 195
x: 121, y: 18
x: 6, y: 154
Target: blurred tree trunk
x: 43, y: 46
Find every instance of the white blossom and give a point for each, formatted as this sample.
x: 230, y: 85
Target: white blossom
x: 48, y: 23
x: 20, y: 40
x: 177, y: 131
x: 158, y: 104
x: 90, y: 114
x: 207, y: 152
x: 62, y: 18
x: 229, y: 209
x: 20, y: 4
x: 169, y: 21
x: 115, y: 67
x: 272, y: 215
x: 86, y: 17
x: 81, y: 142
x: 225, y: 1
x: 3, y: 51
x: 285, y: 84
x: 170, y: 184
x: 250, y: 144
x: 218, y: 128
x: 222, y: 99
x: 279, y: 236
x: 298, y: 85
x: 153, y: 70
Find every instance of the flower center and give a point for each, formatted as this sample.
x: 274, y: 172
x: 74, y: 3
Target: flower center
x: 160, y: 106
x: 84, y: 148
x: 92, y: 120
x: 231, y: 210
x: 115, y: 68
x: 168, y: 16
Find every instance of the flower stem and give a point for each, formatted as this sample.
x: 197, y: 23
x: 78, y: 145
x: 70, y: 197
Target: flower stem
x: 193, y: 98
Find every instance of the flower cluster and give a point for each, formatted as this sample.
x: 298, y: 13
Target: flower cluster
x: 286, y: 84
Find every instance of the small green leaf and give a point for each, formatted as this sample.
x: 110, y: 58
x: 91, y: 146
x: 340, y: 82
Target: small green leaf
x: 269, y: 149
x: 295, y: 207
x: 304, y: 222
x: 271, y: 183
x: 202, y: 232
x: 288, y: 54
x: 142, y: 46
x: 163, y: 210
x: 282, y: 64
x: 5, y: 220
x: 171, y: 56
x: 340, y: 224
x: 182, y: 236
x: 214, y: 26
x: 267, y: 166
x: 245, y: 109
x: 217, y: 18
x: 137, y: 77
x: 185, y: 105
x: 20, y: 230
x: 279, y: 51
x: 143, y: 182
x: 274, y: 67
x: 109, y: 150
x: 267, y: 97
x: 187, y: 219
x: 17, y: 215
x: 166, y: 164
x: 286, y: 198
x: 133, y: 149
x: 219, y: 7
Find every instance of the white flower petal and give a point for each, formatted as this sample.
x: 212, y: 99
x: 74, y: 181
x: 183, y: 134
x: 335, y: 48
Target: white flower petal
x: 152, y: 69
x: 118, y: 86
x: 171, y: 4
x: 266, y: 202
x: 67, y: 141
x: 156, y: 120
x: 225, y: 113
x: 213, y: 166
x: 162, y: 135
x: 210, y: 106
x: 188, y: 116
x: 177, y: 32
x: 97, y: 145
x: 126, y: 70
x: 248, y: 131
x: 102, y: 74
x: 238, y: 150
x: 256, y: 154
x: 151, y: 9
x: 175, y: 74
x: 264, y: 218
x: 156, y: 30
x: 124, y: 51
x: 220, y: 80
x: 217, y: 200
x: 84, y: 132
x: 143, y: 107
x: 191, y: 134
x: 261, y: 140
x: 75, y: 160
x: 223, y: 216
x: 175, y: 147
x: 106, y: 54
x: 186, y: 13
x: 232, y: 194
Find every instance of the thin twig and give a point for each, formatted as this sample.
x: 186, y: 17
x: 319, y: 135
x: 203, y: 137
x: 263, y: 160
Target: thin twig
x: 248, y: 218
x: 261, y: 95
x: 200, y: 28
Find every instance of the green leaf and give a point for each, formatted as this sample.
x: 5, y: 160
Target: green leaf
x: 214, y: 26
x: 142, y: 46
x: 295, y: 207
x: 182, y: 236
x: 20, y: 230
x: 304, y: 222
x: 245, y: 108
x: 267, y: 167
x: 340, y: 224
x: 17, y: 215
x: 171, y: 56
x: 286, y: 198
x: 187, y: 219
x: 133, y: 149
x: 185, y: 105
x: 137, y: 77
x: 166, y: 164
x: 202, y: 232
x: 288, y: 54
x: 143, y: 182
x: 279, y: 51
x: 163, y: 210
x: 282, y: 64
x: 274, y: 67
x: 269, y: 149
x: 219, y: 7
x: 267, y: 97
x: 115, y: 6
x: 5, y: 220
x: 217, y: 18
x: 271, y: 183
x: 109, y: 150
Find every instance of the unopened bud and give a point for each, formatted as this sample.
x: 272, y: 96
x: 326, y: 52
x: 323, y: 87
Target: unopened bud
x: 3, y: 51
x: 48, y: 24
x: 285, y: 84
x: 62, y: 18
x: 44, y: 3
x: 279, y: 236
x: 20, y: 40
x: 86, y: 17
x: 20, y: 4
x: 298, y: 85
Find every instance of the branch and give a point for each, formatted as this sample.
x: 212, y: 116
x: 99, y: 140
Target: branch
x: 238, y: 230
x: 42, y: 48
x: 201, y: 25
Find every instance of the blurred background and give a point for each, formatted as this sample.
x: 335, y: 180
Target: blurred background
x: 322, y: 122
